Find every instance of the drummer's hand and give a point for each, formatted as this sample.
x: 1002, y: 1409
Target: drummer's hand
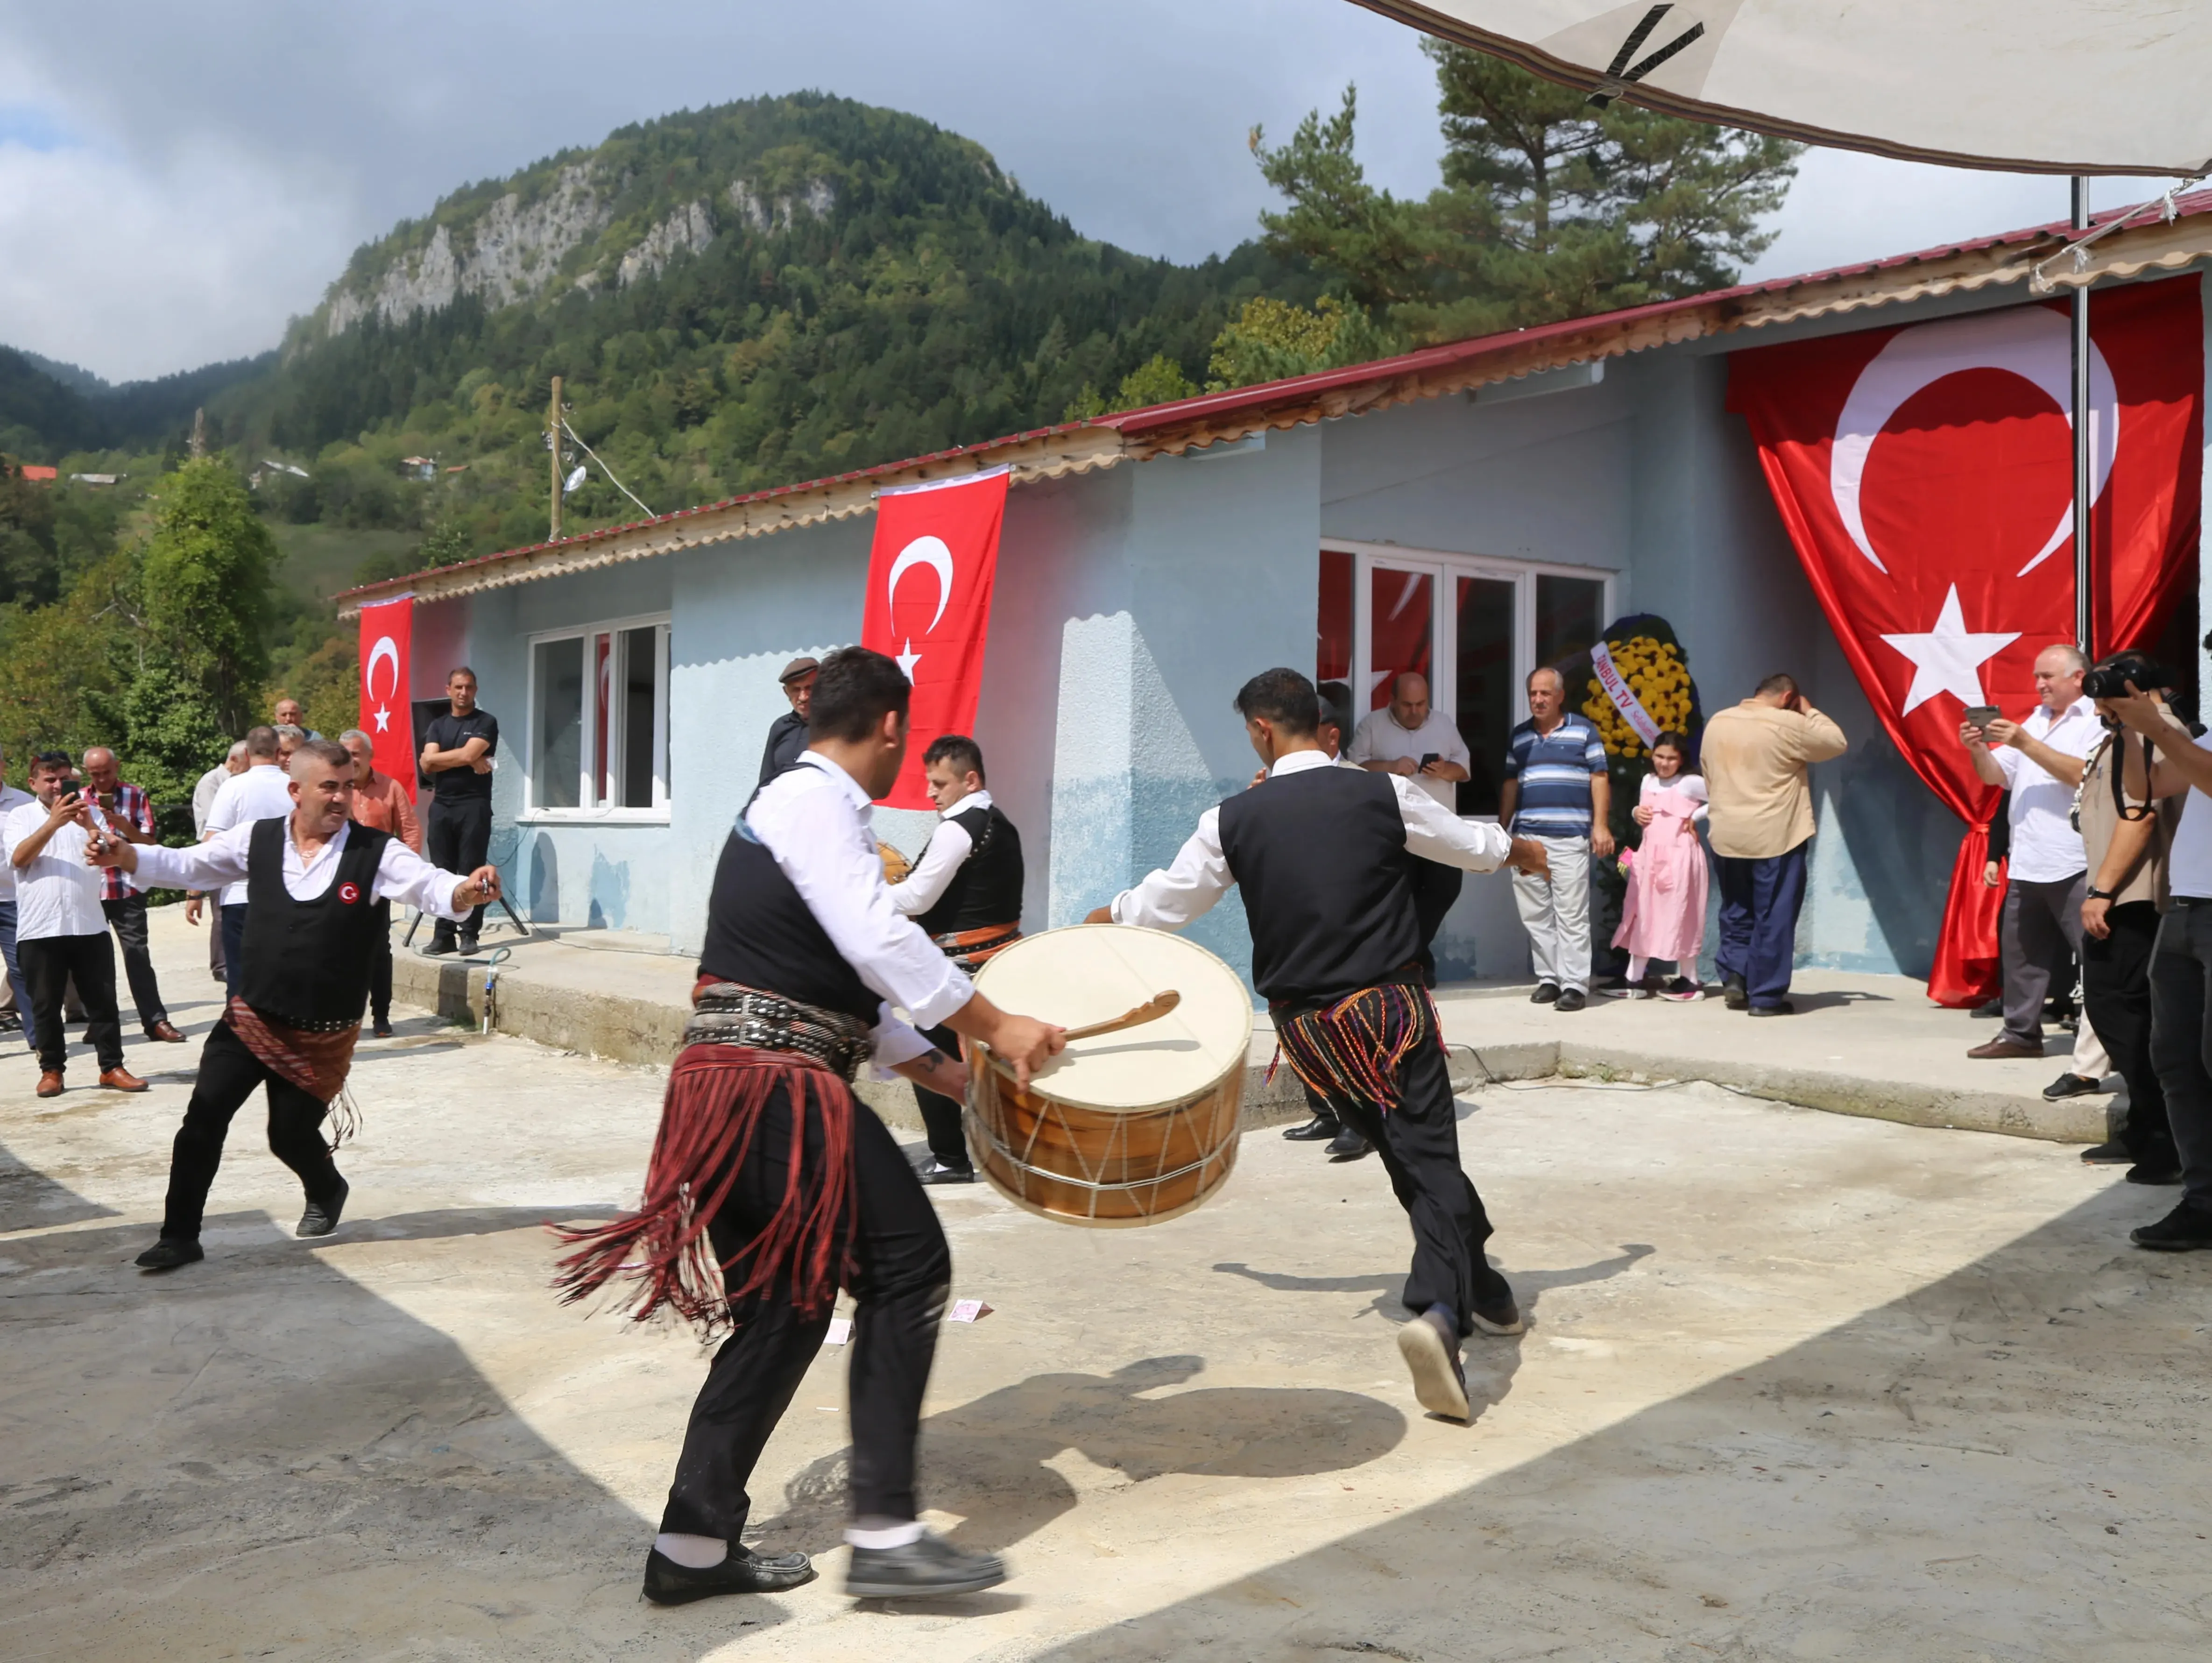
x: 1026, y: 1044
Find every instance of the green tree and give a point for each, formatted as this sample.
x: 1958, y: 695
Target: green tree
x: 167, y: 732
x: 1272, y: 340
x: 204, y: 589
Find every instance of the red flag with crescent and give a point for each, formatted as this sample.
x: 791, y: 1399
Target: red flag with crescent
x: 930, y: 572
x: 1925, y: 476
x: 388, y: 715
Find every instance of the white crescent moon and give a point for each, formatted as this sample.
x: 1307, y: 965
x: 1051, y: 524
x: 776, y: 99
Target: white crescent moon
x: 384, y: 648
x: 924, y: 551
x: 2032, y: 342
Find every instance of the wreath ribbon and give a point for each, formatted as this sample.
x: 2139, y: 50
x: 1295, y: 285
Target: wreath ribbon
x: 1622, y: 695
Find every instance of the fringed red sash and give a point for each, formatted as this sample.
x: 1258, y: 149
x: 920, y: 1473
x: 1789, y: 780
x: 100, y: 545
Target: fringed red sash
x: 709, y: 1118
x: 318, y: 1063
x: 1354, y: 1047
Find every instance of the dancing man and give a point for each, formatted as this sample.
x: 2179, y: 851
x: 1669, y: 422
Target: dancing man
x: 770, y: 1186
x: 1323, y: 856
x: 313, y: 881
x: 965, y: 894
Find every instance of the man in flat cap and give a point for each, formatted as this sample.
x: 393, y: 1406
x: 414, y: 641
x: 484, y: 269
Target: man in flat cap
x: 788, y: 738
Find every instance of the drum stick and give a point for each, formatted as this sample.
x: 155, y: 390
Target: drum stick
x: 1151, y: 1011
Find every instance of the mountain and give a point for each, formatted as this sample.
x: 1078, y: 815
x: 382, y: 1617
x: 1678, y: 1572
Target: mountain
x: 49, y: 411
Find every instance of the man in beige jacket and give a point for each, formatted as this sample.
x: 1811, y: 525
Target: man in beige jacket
x: 1754, y: 758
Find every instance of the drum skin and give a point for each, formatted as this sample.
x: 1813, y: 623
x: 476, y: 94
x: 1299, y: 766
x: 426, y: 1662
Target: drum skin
x: 1127, y: 1129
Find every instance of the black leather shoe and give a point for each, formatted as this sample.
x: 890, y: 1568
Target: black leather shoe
x: 2114, y: 1154
x: 168, y: 1253
x: 381, y: 1031
x: 922, y: 1569
x: 667, y: 1583
x: 936, y: 1172
x: 436, y: 948
x: 2186, y: 1228
x: 2071, y: 1084
x: 1571, y: 999
x: 1547, y: 993
x: 322, y: 1216
x: 2166, y: 1171
x: 1783, y: 1008
x: 468, y: 946
x: 1320, y: 1126
x: 1736, y: 991
x: 1349, y: 1145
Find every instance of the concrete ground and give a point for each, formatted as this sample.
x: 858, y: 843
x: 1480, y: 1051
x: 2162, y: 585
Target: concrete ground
x: 1796, y: 1385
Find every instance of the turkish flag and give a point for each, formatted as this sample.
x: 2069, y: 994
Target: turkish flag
x: 1925, y: 476
x: 388, y: 715
x: 929, y: 604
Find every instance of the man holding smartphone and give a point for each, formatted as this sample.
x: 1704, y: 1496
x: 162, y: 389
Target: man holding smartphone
x: 2039, y: 761
x: 1411, y: 737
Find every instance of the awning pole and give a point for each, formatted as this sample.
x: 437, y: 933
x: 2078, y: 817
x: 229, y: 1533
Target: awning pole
x: 2084, y: 594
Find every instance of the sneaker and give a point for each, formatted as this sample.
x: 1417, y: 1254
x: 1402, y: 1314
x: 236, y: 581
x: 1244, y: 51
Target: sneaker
x: 667, y: 1583
x: 1430, y: 1345
x: 2186, y: 1228
x: 1681, y: 990
x: 936, y: 1172
x: 924, y: 1568
x: 1547, y: 993
x: 10, y: 1022
x: 1627, y: 990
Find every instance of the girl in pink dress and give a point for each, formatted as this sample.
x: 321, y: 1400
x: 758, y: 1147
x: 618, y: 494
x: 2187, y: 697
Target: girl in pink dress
x: 1664, y: 914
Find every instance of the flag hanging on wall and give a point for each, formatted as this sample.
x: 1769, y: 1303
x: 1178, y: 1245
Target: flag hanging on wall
x: 930, y: 571
x: 1925, y: 477
x: 387, y: 631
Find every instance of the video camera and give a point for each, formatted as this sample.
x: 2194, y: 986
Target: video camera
x: 2110, y: 680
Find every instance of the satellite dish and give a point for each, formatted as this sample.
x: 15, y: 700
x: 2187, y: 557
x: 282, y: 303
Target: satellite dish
x: 574, y: 480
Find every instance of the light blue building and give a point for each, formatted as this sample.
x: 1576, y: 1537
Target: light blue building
x: 1515, y: 487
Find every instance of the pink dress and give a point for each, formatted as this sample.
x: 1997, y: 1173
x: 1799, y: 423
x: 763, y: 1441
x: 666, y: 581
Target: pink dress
x: 1664, y: 916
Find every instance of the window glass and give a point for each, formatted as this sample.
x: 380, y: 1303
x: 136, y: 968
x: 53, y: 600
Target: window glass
x: 1401, y: 624
x: 1333, y: 645
x: 1484, y: 684
x: 641, y: 676
x: 1569, y: 612
x: 557, y: 769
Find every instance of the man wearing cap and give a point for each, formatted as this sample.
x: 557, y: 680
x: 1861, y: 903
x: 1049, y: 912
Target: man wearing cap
x: 786, y: 740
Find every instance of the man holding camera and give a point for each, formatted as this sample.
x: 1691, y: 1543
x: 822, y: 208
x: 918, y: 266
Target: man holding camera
x: 2039, y: 762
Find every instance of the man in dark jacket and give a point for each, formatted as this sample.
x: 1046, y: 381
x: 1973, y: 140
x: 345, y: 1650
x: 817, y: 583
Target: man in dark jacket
x: 787, y: 738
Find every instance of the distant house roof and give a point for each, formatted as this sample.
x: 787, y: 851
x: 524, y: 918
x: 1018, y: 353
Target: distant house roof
x: 44, y: 475
x: 2023, y: 258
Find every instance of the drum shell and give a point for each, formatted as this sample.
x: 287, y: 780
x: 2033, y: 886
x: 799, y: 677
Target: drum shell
x: 1152, y: 1164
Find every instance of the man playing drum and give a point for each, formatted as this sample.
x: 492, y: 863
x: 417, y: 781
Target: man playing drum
x: 965, y: 894
x: 769, y: 1184
x: 1322, y: 854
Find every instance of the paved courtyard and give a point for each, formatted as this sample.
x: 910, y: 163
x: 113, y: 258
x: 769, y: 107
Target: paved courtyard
x: 1797, y: 1385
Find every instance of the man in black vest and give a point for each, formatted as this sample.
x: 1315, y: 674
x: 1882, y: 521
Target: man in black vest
x: 1323, y: 854
x: 786, y: 734
x: 313, y: 879
x: 965, y: 893
x: 805, y: 959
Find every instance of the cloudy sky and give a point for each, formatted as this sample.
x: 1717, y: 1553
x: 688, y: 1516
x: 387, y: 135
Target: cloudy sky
x: 177, y: 181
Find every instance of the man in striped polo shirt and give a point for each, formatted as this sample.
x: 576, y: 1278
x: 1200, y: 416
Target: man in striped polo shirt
x: 1557, y: 791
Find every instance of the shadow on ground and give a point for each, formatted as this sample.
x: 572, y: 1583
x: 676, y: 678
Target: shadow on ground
x: 29, y: 1200
x: 1983, y: 1468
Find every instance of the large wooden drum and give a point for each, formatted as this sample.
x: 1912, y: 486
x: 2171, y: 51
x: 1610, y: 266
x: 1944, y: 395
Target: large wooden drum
x: 1123, y: 1128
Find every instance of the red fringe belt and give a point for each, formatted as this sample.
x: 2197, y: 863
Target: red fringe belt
x: 1354, y: 1047
x: 317, y: 1062
x: 709, y: 1119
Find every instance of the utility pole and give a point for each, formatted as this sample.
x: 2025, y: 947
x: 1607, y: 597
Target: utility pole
x: 2084, y: 487
x: 553, y: 454
x: 199, y: 434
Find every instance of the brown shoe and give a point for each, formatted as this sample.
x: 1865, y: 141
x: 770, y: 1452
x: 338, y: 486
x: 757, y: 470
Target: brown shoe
x: 50, y: 1084
x: 166, y: 1031
x: 2003, y: 1045
x: 120, y: 1080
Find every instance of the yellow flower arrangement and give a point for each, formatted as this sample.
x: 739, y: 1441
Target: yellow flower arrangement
x: 1656, y: 673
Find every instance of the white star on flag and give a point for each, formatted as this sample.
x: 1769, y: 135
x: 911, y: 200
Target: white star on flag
x: 1948, y: 658
x: 908, y: 660
x: 383, y: 718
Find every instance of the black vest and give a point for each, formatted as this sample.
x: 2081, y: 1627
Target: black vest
x: 1320, y: 856
x: 309, y: 961
x: 987, y: 889
x: 760, y: 932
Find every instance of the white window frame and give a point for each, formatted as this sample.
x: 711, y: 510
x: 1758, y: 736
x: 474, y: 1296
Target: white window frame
x: 587, y: 785
x: 1367, y: 559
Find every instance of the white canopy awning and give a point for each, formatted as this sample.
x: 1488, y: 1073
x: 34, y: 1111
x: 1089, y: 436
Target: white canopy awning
x: 2038, y: 86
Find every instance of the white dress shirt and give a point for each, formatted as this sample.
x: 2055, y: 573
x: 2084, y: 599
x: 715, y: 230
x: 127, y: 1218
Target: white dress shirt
x: 2045, y: 847
x: 57, y: 894
x: 262, y: 792
x: 1200, y: 876
x: 204, y: 794
x: 950, y: 846
x: 11, y: 799
x: 814, y: 820
x: 402, y: 876
x: 1380, y: 739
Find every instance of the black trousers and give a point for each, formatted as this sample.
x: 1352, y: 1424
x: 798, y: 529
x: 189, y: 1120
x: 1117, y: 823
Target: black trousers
x: 457, y: 833
x: 941, y: 1115
x: 1435, y: 887
x: 229, y: 1073
x: 1419, y: 1141
x: 905, y: 1267
x: 2116, y: 988
x: 48, y: 965
x: 128, y: 918
x: 2181, y: 1039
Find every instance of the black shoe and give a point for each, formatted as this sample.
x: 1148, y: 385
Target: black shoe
x: 468, y: 946
x: 1993, y: 1007
x: 1320, y: 1126
x: 382, y: 1031
x: 1502, y: 1318
x: 1571, y: 999
x: 1736, y: 991
x: 2106, y: 1154
x: 438, y: 948
x: 1783, y: 1008
x: 1349, y: 1145
x: 936, y: 1172
x: 1430, y: 1349
x: 2166, y: 1170
x: 169, y: 1252
x: 2186, y: 1226
x: 924, y: 1568
x: 2071, y: 1084
x: 667, y: 1583
x: 10, y: 1022
x: 322, y: 1216
x: 1547, y: 993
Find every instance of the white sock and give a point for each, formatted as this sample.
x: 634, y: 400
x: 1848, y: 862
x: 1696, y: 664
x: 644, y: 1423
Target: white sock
x: 893, y: 1536
x: 1637, y: 967
x: 692, y: 1552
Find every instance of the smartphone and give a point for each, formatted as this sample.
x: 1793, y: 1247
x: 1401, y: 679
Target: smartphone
x: 1430, y: 757
x: 1982, y: 715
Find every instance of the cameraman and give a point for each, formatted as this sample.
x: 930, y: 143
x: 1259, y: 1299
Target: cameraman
x: 2181, y: 961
